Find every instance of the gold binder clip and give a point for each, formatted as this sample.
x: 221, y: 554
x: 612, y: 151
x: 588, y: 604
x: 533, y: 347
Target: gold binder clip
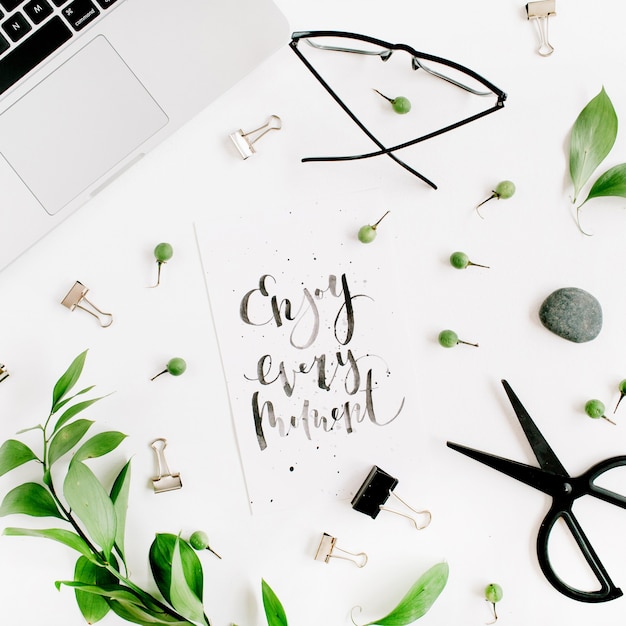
x: 374, y: 493
x: 244, y: 142
x: 3, y: 372
x: 76, y: 297
x: 328, y: 545
x: 165, y: 481
x: 540, y: 12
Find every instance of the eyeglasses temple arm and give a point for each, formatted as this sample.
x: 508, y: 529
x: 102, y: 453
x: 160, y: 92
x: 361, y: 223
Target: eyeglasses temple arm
x: 406, y: 144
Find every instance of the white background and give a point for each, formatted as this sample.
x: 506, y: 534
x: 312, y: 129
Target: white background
x: 484, y: 524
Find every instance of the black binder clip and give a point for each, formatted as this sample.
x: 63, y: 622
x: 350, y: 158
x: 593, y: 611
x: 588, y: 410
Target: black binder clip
x: 328, y: 545
x: 244, y: 142
x: 374, y: 493
x: 76, y: 297
x: 3, y: 372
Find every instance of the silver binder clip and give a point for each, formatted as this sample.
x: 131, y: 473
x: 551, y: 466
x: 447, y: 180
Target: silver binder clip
x: 76, y: 297
x: 3, y: 372
x: 376, y: 489
x: 165, y: 481
x: 244, y: 142
x: 540, y: 12
x: 328, y: 545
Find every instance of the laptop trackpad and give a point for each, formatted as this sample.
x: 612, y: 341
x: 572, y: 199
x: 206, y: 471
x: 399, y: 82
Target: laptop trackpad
x: 88, y: 115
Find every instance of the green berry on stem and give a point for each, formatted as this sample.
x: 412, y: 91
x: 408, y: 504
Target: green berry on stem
x: 595, y: 409
x: 622, y: 392
x: 460, y: 261
x: 449, y: 339
x: 175, y: 366
x: 493, y: 594
x: 504, y: 190
x: 199, y: 540
x: 400, y: 105
x: 367, y: 233
x: 163, y: 252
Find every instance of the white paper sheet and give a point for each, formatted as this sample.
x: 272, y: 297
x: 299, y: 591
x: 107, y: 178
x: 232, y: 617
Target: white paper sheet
x: 310, y: 331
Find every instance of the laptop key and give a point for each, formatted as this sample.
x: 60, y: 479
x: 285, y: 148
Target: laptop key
x: 4, y: 44
x: 80, y: 12
x: 37, y: 10
x: 16, y: 26
x: 9, y: 5
x: 105, y: 4
x: 33, y: 50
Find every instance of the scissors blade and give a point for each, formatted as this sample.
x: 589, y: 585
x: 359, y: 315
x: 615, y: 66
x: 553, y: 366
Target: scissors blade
x: 543, y: 452
x: 540, y: 479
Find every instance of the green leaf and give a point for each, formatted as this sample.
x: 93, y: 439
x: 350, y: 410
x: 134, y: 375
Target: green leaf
x: 74, y: 410
x: 611, y: 183
x: 593, y: 136
x: 30, y: 499
x: 70, y: 398
x: 68, y: 380
x: 66, y: 537
x: 114, y: 591
x: 183, y: 597
x: 99, y: 445
x: 91, y: 503
x: 418, y: 599
x: 161, y: 558
x: 119, y: 497
x: 274, y: 611
x: 146, y: 617
x: 14, y: 453
x: 93, y: 606
x: 66, y: 439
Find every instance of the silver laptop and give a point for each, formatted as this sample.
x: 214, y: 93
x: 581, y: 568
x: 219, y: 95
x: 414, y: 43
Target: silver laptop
x: 87, y: 87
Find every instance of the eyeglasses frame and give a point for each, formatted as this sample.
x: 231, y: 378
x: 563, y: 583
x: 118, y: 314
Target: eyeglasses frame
x: 416, y: 56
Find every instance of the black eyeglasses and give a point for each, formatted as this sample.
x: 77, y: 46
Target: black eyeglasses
x: 449, y: 72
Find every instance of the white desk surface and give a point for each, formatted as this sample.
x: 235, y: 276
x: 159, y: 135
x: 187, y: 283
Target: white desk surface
x: 484, y: 525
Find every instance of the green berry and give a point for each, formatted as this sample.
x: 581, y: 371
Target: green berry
x: 493, y: 592
x: 460, y: 261
x: 449, y: 339
x: 595, y: 409
x: 400, y: 104
x: 503, y: 190
x: 163, y: 252
x: 367, y: 233
x: 199, y: 540
x: 175, y: 366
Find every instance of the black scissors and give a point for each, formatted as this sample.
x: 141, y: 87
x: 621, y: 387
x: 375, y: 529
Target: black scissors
x: 553, y: 479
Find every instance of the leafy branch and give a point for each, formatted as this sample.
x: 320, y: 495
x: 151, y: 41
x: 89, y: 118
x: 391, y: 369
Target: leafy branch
x: 593, y: 136
x: 94, y: 520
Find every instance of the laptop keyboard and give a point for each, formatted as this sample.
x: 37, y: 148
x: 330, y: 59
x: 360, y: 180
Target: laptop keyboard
x: 31, y: 30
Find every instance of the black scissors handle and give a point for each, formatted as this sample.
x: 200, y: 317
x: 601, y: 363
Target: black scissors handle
x: 608, y: 590
x: 562, y: 510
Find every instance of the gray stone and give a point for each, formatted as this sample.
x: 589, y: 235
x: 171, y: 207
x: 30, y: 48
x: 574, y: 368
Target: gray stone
x: 573, y: 314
